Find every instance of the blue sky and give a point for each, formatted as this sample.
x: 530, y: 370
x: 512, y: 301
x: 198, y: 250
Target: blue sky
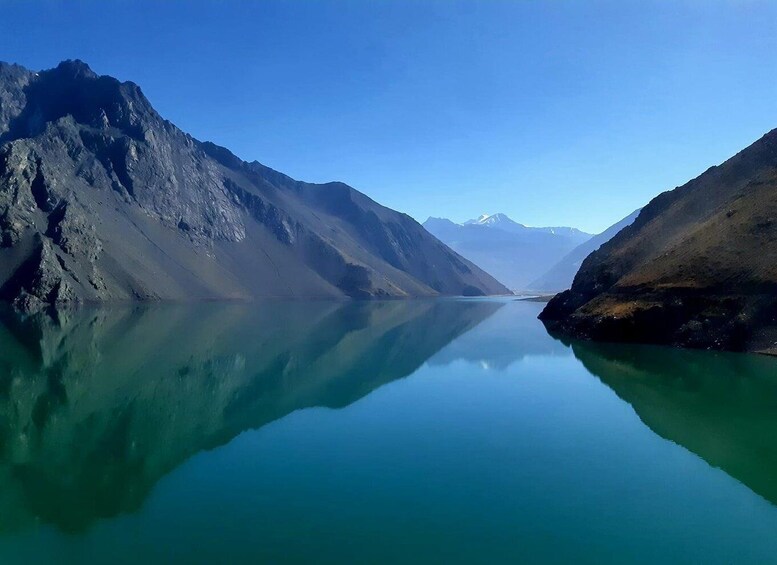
x: 556, y: 113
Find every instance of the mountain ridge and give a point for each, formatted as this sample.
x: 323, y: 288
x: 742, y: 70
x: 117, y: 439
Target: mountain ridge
x: 501, y: 220
x: 102, y: 199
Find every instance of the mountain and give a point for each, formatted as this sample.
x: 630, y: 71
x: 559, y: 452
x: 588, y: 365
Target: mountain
x: 503, y: 222
x: 496, y: 221
x: 697, y: 268
x: 560, y: 276
x: 101, y: 199
x: 515, y: 254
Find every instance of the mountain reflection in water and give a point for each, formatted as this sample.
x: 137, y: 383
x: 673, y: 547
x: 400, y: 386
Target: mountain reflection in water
x: 720, y: 406
x: 97, y: 405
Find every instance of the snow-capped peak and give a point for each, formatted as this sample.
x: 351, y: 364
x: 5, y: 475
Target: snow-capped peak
x: 479, y: 220
x: 497, y: 219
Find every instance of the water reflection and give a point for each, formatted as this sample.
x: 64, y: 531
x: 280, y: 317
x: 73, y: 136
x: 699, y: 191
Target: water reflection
x: 509, y: 336
x: 722, y: 407
x: 96, y: 406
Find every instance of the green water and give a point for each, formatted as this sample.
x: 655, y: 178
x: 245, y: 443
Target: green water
x: 394, y: 432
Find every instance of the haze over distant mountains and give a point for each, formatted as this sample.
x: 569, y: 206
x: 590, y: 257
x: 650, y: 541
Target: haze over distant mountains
x: 513, y: 253
x: 697, y: 268
x: 561, y: 275
x: 102, y: 199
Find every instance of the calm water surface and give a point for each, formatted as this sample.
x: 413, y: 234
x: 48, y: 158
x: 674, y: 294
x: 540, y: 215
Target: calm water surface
x: 391, y: 432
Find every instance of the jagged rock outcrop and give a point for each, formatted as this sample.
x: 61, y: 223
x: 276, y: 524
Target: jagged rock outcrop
x: 697, y: 268
x: 101, y: 199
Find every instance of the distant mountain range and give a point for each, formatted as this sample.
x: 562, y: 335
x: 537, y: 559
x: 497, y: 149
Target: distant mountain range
x: 697, y: 268
x: 503, y: 222
x: 513, y: 253
x: 101, y: 199
x: 560, y: 276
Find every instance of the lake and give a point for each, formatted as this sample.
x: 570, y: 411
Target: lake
x: 447, y: 431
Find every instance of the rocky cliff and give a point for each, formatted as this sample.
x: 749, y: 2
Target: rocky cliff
x: 101, y: 199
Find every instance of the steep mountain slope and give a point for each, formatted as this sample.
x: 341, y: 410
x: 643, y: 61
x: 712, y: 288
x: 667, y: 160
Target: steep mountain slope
x: 560, y: 276
x: 513, y: 253
x: 102, y: 199
x: 697, y: 268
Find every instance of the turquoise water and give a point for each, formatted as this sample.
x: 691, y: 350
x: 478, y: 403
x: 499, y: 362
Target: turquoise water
x: 392, y: 432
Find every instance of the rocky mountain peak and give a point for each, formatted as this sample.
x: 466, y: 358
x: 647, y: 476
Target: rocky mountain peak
x: 498, y: 219
x: 75, y: 68
x: 102, y: 199
x: 72, y: 90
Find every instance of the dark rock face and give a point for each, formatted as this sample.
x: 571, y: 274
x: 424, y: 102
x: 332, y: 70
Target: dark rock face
x: 103, y: 200
x: 697, y: 268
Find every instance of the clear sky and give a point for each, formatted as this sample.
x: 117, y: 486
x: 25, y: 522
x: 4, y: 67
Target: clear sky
x: 556, y: 112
